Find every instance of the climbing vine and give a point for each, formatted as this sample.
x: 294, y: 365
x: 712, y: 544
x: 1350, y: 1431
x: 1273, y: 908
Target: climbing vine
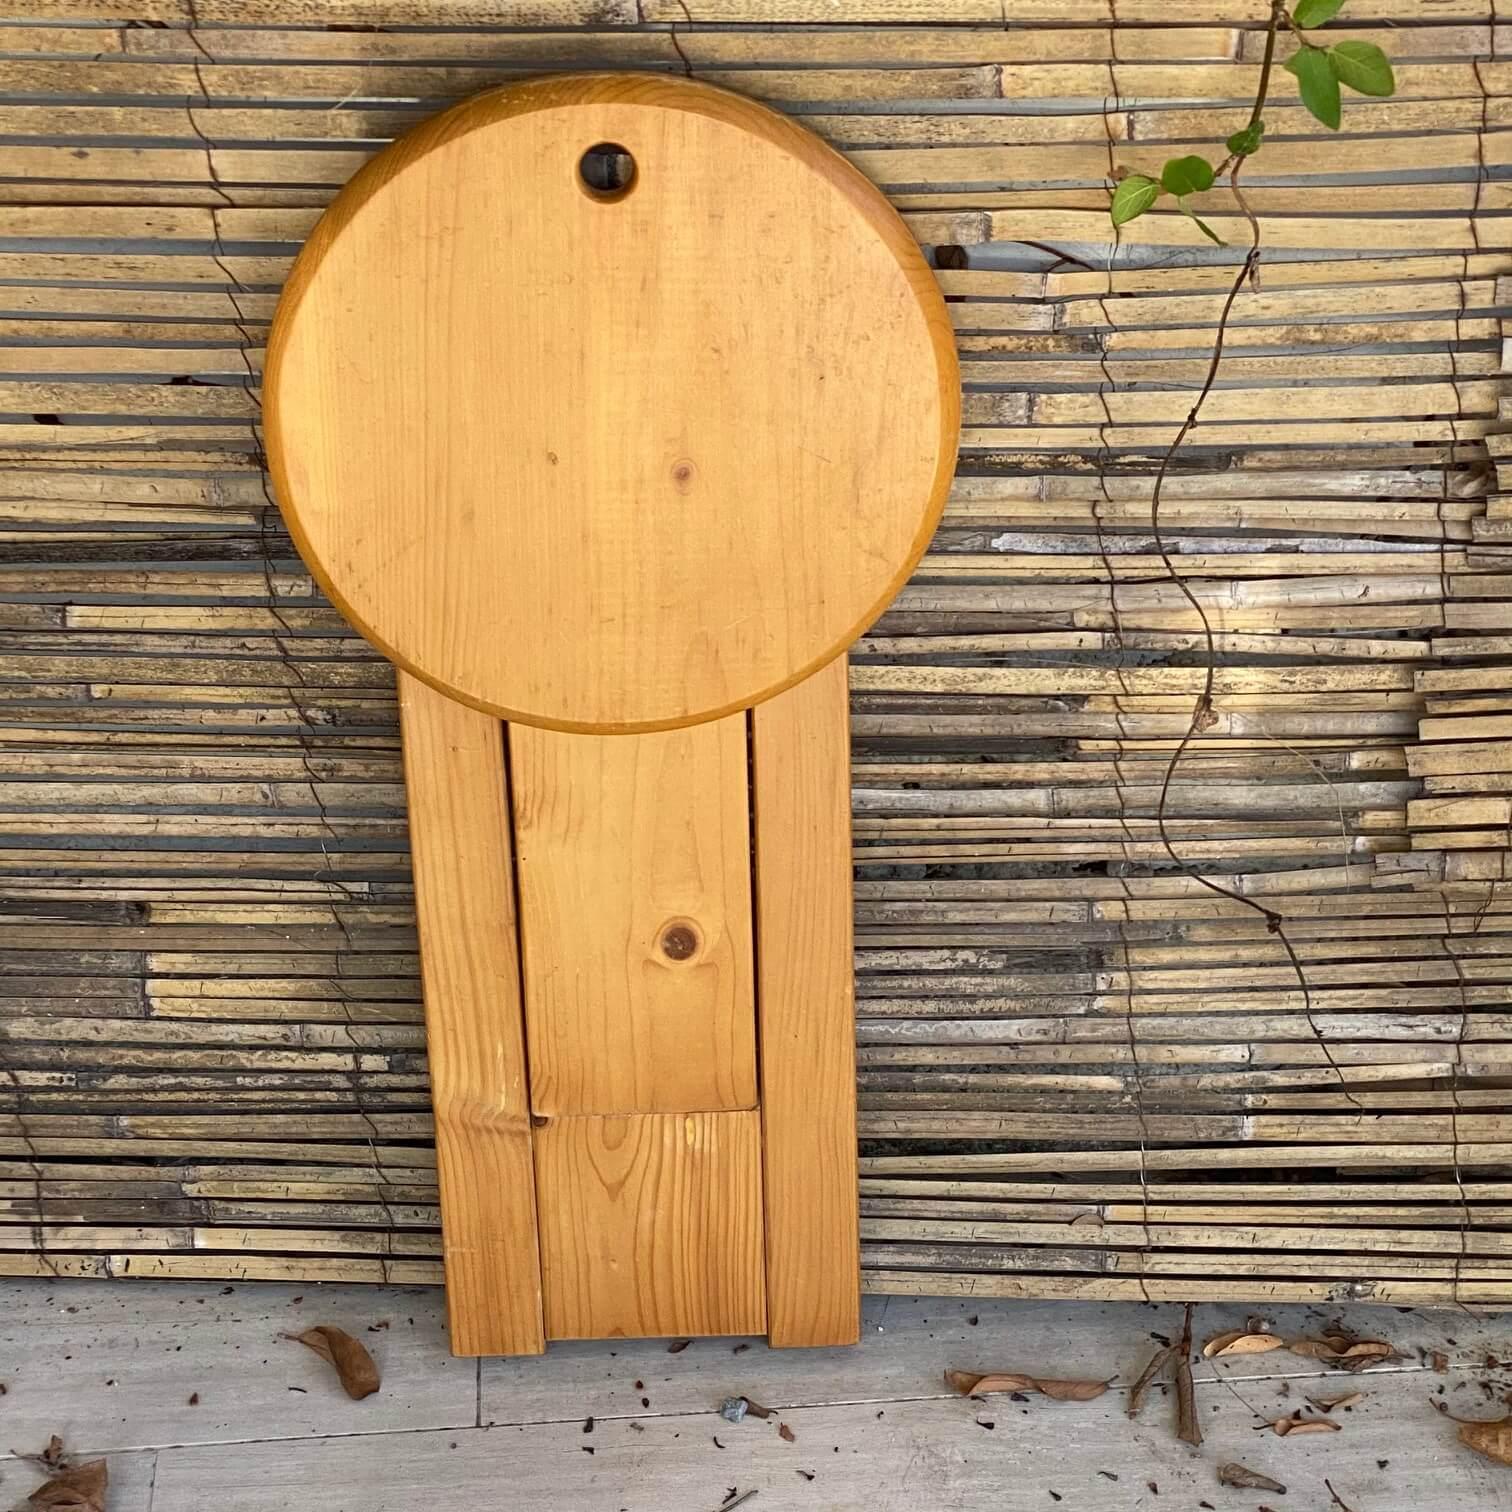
x: 1319, y: 71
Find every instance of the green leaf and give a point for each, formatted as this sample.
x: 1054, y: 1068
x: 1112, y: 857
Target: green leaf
x: 1317, y: 83
x: 1133, y: 196
x: 1315, y: 12
x: 1186, y: 175
x: 1202, y: 225
x: 1247, y: 142
x: 1362, y: 66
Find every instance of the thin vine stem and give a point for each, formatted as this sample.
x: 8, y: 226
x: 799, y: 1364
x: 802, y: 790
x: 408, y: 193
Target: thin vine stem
x: 1202, y: 712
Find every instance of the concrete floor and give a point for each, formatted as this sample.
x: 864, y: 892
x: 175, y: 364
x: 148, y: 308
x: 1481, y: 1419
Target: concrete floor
x: 201, y: 1405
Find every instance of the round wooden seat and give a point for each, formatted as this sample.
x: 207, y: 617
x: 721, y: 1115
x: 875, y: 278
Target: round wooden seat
x: 611, y: 402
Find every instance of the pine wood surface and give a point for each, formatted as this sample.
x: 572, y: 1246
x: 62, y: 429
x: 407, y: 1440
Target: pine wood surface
x: 1082, y: 1073
x: 634, y: 856
x: 458, y: 798
x: 651, y: 1224
x: 680, y: 491
x: 802, y: 816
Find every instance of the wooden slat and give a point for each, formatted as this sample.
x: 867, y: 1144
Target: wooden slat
x: 799, y: 751
x: 635, y: 919
x: 460, y: 839
x: 651, y: 1224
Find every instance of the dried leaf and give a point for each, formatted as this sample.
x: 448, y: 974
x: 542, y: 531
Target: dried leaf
x: 1241, y: 1476
x: 1494, y: 1440
x: 1284, y: 1427
x: 1153, y: 1367
x: 1239, y: 1341
x: 1188, y: 1430
x: 359, y: 1375
x: 966, y: 1384
x: 1334, y: 1404
x: 786, y: 1433
x: 81, y: 1488
x: 1340, y: 1352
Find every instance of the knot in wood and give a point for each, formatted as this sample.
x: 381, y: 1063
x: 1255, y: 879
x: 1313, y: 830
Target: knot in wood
x: 679, y: 942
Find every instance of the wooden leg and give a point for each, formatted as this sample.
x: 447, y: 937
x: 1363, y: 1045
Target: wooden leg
x: 801, y: 781
x: 464, y: 885
x: 669, y: 1202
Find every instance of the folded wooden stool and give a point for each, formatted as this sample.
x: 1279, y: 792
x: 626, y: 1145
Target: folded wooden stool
x: 612, y: 409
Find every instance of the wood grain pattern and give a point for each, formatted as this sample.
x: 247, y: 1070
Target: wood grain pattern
x: 651, y: 1224
x: 464, y: 885
x: 800, y: 752
x: 635, y: 918
x: 588, y: 461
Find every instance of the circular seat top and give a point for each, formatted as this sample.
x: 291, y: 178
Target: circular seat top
x: 611, y: 402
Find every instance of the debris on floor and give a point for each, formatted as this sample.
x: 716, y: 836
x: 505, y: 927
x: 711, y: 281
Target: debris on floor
x: 1341, y: 1350
x: 352, y: 1363
x: 81, y: 1488
x: 1295, y: 1422
x: 1493, y: 1439
x: 1338, y: 1403
x: 966, y: 1384
x: 1187, y: 1428
x: 1243, y: 1478
x: 1241, y: 1341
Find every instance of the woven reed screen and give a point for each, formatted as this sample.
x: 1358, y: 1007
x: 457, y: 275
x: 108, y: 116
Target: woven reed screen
x: 1084, y: 1071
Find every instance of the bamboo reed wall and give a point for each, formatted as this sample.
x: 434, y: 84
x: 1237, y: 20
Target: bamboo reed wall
x: 1084, y: 1072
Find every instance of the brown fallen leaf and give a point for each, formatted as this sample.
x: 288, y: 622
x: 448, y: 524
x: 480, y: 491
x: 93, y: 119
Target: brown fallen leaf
x: 1188, y: 1429
x: 1333, y: 1404
x: 1494, y: 1439
x: 1285, y: 1427
x: 1239, y: 1341
x: 786, y: 1433
x: 1343, y: 1353
x: 1153, y: 1367
x: 966, y: 1384
x: 82, y: 1488
x: 1241, y: 1476
x: 359, y: 1375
